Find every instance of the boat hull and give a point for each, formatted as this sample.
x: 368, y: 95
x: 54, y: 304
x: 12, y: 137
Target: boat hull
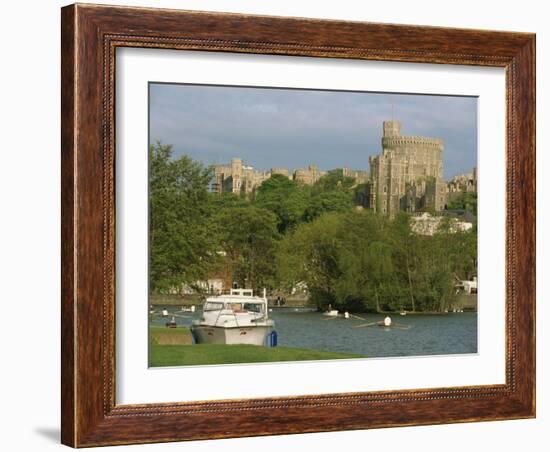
x: 331, y: 313
x: 253, y: 335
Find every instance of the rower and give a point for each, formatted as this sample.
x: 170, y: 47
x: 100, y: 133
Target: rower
x: 387, y: 321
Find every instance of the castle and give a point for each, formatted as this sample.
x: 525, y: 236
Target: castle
x: 407, y: 176
x: 462, y: 183
x: 236, y: 177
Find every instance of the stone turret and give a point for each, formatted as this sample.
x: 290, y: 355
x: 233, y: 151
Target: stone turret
x: 392, y: 128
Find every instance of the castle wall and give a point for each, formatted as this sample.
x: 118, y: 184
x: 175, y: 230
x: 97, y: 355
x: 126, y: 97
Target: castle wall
x: 308, y: 176
x: 239, y: 178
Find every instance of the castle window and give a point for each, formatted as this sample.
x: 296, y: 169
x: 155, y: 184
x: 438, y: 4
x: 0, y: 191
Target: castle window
x: 385, y: 189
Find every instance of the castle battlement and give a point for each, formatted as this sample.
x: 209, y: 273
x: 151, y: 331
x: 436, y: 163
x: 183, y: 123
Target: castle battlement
x: 411, y: 140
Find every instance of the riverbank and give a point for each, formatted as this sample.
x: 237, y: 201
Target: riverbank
x: 463, y: 302
x: 169, y: 336
x: 175, y: 300
x: 203, y: 354
x: 197, y: 300
x: 174, y: 347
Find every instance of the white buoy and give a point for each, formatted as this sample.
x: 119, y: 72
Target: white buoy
x: 387, y: 321
x: 346, y: 315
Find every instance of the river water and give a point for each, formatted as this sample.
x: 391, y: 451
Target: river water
x: 453, y: 333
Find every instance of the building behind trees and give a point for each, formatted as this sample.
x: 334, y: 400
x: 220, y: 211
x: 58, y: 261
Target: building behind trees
x: 407, y: 176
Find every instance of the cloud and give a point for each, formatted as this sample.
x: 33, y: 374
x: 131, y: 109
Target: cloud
x: 294, y: 128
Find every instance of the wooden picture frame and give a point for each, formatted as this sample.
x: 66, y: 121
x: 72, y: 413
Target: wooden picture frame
x: 90, y: 36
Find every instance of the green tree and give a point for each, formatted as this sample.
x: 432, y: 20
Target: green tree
x: 464, y: 201
x: 436, y: 286
x: 248, y: 238
x: 334, y: 180
x: 182, y: 242
x: 363, y: 261
x: 405, y: 248
x: 329, y: 201
x: 331, y: 255
x: 285, y: 198
x: 309, y: 254
x: 220, y: 201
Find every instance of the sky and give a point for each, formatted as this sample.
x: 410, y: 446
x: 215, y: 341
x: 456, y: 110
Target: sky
x: 293, y: 128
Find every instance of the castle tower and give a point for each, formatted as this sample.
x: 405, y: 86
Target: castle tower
x: 392, y: 128
x: 236, y: 166
x: 236, y: 174
x: 408, y: 174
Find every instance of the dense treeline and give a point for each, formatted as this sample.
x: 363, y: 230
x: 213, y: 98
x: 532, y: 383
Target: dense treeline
x: 288, y: 235
x: 464, y: 201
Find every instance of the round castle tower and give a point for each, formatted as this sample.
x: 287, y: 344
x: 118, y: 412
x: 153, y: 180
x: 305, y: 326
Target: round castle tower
x: 408, y: 175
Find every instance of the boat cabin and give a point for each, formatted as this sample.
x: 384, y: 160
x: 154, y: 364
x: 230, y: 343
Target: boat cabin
x: 237, y: 317
x: 239, y: 304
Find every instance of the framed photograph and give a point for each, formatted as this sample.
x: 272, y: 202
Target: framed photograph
x: 281, y: 225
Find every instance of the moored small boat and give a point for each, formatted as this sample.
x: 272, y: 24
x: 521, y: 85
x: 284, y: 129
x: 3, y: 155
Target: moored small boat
x: 331, y: 312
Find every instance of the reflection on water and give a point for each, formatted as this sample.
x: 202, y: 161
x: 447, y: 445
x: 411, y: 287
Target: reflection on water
x: 426, y: 335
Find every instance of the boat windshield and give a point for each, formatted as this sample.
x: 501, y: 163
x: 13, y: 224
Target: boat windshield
x: 213, y: 306
x: 245, y: 307
x: 254, y: 307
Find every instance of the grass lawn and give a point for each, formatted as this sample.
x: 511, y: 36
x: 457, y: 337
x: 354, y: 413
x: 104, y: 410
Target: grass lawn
x: 200, y: 354
x: 160, y: 335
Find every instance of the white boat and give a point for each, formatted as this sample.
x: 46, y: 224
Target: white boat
x: 331, y: 312
x: 236, y: 318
